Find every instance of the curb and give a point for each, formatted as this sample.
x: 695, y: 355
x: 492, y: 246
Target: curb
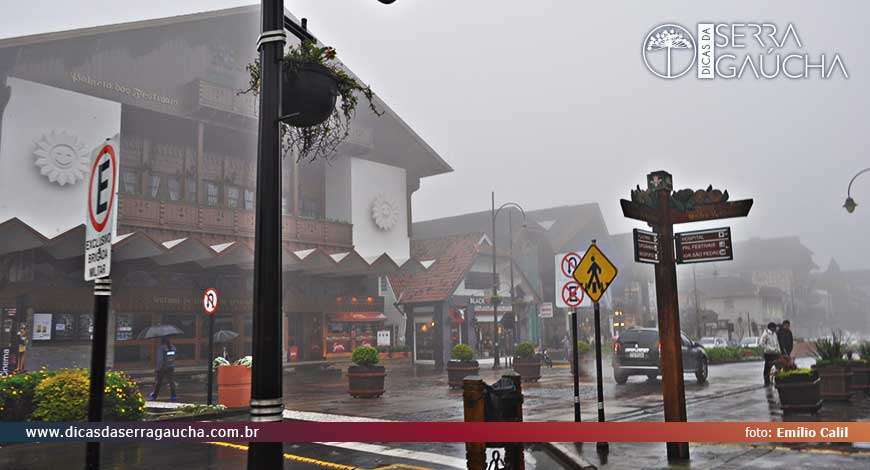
x: 567, y: 455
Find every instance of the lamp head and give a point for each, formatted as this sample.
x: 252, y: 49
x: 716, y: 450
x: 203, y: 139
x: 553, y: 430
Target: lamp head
x: 850, y: 205
x: 386, y: 2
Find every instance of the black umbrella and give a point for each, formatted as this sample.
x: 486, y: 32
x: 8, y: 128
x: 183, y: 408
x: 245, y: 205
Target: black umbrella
x: 159, y: 331
x: 225, y: 336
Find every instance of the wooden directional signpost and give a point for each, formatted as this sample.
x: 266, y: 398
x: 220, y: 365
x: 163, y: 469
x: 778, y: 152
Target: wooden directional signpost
x: 661, y: 207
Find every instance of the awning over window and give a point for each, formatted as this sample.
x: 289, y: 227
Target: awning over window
x: 357, y: 316
x: 455, y: 317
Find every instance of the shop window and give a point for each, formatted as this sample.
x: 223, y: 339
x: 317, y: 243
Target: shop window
x: 338, y: 340
x: 173, y: 184
x: 233, y: 195
x: 424, y: 336
x: 190, y: 190
x: 153, y: 185
x: 85, y: 326
x: 123, y: 327
x: 64, y: 327
x: 212, y: 191
x: 310, y: 207
x: 249, y: 200
x: 186, y: 323
x: 130, y: 182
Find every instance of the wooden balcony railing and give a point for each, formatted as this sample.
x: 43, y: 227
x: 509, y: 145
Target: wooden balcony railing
x: 137, y: 212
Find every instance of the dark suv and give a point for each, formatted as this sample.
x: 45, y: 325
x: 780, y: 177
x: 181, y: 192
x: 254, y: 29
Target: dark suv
x: 637, y: 352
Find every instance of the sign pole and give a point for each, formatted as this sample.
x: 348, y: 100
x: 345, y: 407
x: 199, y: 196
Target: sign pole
x: 601, y: 446
x: 576, y: 362
x: 102, y: 294
x: 210, y: 359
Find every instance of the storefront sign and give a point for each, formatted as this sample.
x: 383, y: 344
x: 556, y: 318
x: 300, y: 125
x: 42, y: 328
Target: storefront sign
x: 383, y: 337
x: 8, y: 361
x: 41, y: 326
x: 546, y: 310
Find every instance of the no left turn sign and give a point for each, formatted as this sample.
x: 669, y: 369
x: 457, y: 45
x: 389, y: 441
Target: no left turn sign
x: 210, y: 301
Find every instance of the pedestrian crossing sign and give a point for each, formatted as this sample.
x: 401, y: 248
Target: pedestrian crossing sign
x: 595, y: 273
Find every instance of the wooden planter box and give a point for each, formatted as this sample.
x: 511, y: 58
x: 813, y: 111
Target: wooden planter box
x: 458, y: 370
x: 366, y: 381
x: 234, y: 386
x: 529, y: 369
x: 860, y: 376
x: 836, y: 381
x: 800, y: 394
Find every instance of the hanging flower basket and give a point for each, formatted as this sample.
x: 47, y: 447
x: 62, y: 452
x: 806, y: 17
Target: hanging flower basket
x: 308, y: 93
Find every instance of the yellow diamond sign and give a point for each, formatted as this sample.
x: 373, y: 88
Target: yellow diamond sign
x: 595, y: 273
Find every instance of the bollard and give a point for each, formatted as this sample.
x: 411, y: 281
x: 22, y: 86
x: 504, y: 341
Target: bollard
x: 515, y: 452
x: 472, y: 397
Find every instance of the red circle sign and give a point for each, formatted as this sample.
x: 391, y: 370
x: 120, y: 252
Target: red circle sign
x: 99, y: 210
x: 572, y: 294
x: 210, y: 300
x: 569, y: 263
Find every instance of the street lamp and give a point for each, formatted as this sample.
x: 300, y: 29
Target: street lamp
x: 495, y: 299
x: 267, y: 402
x: 850, y: 203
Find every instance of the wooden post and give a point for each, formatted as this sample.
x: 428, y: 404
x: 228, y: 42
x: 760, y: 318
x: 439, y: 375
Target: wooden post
x: 673, y: 387
x: 472, y: 397
x: 514, y: 456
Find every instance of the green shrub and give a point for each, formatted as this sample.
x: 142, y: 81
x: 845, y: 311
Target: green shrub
x: 525, y: 350
x: 16, y: 394
x: 583, y: 347
x: 62, y: 397
x: 365, y: 356
x: 725, y: 354
x: 830, y: 350
x: 793, y: 373
x: 462, y: 352
x: 122, y: 400
x: 246, y: 361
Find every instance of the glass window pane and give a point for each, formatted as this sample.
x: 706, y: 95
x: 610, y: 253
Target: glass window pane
x: 249, y: 200
x: 212, y: 191
x: 174, y: 185
x: 190, y: 188
x: 186, y: 323
x: 154, y: 185
x: 131, y: 182
x: 233, y: 194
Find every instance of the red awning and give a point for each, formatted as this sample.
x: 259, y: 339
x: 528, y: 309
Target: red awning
x: 358, y: 316
x: 455, y: 317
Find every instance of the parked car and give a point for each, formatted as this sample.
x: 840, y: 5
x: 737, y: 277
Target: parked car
x: 713, y: 342
x: 750, y: 342
x: 637, y: 352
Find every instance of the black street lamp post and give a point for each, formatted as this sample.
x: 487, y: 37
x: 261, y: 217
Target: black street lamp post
x: 496, y: 362
x: 267, y: 402
x: 850, y: 203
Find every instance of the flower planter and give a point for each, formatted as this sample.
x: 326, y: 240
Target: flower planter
x: 234, y: 386
x: 308, y: 93
x: 799, y: 393
x: 860, y: 376
x: 836, y: 381
x: 529, y: 369
x: 458, y: 370
x: 366, y: 381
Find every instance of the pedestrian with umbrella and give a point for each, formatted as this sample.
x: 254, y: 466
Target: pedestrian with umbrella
x: 165, y: 367
x: 224, y: 337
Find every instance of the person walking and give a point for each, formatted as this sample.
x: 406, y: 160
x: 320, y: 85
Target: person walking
x: 770, y: 349
x: 165, y: 370
x: 785, y: 338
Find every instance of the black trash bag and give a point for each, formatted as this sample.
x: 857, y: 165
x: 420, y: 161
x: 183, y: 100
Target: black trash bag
x: 502, y: 401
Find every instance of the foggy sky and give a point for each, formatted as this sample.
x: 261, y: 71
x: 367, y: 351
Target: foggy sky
x: 549, y: 103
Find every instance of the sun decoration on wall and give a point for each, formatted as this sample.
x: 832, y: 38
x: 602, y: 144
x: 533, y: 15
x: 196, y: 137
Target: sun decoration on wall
x: 61, y: 157
x: 384, y: 213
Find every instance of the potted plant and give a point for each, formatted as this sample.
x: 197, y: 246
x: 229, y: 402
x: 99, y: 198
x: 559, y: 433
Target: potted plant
x: 585, y: 358
x: 527, y: 363
x: 461, y: 365
x: 365, y: 377
x: 833, y: 368
x: 315, y: 122
x: 861, y: 369
x: 234, y: 382
x: 799, y: 389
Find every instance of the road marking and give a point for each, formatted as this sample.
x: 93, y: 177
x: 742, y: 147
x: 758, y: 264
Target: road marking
x: 400, y: 453
x: 293, y: 457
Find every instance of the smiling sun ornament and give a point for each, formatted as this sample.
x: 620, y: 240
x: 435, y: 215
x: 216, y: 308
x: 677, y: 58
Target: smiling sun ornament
x: 61, y: 158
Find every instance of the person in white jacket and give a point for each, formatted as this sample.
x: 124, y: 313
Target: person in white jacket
x: 770, y: 349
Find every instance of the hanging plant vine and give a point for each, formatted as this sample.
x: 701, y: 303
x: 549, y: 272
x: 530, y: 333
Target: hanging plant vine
x: 319, y: 141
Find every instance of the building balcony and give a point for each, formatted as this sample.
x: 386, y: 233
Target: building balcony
x: 169, y: 220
